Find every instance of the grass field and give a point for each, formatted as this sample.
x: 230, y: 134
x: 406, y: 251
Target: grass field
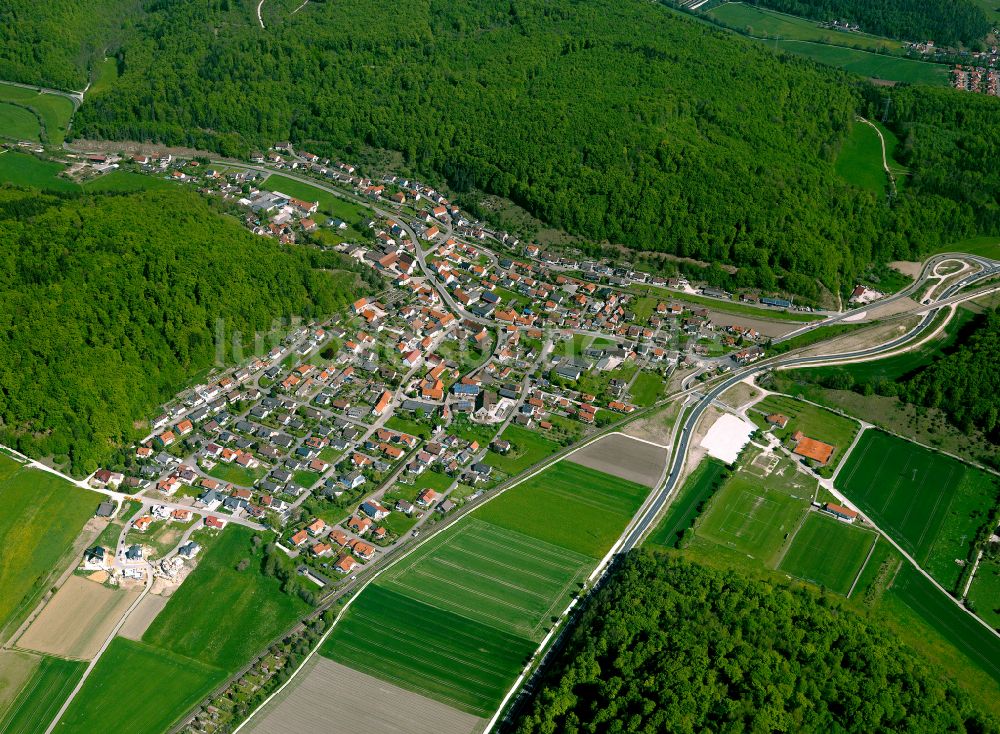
x: 733, y: 307
x: 54, y: 109
x: 37, y: 702
x: 985, y: 592
x: 41, y: 516
x: 222, y: 616
x: 429, y: 650
x: 868, y: 64
x: 986, y: 245
x: 236, y: 474
x: 105, y: 74
x: 18, y: 123
x: 22, y: 169
x: 643, y: 308
x: 527, y: 448
x: 943, y: 615
x: 929, y: 503
x: 570, y: 505
x: 329, y: 204
x: 495, y: 576
x: 827, y: 552
x: 138, y: 689
x: 646, y: 389
x: 404, y: 425
x: 859, y: 161
x: 698, y: 487
x: 118, y: 181
x: 759, y: 23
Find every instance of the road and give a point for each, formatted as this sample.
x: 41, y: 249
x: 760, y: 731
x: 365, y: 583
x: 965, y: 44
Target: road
x: 75, y: 97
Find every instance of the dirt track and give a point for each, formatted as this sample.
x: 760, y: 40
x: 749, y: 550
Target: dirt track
x: 624, y: 457
x: 77, y: 619
x: 343, y: 701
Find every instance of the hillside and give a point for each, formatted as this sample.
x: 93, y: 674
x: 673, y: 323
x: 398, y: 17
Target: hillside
x: 669, y: 645
x: 109, y: 304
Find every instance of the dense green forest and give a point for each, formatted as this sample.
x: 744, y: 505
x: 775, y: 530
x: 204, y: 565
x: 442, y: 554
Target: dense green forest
x: 946, y: 22
x: 54, y: 43
x: 109, y: 304
x: 672, y: 646
x: 965, y: 383
x: 621, y: 122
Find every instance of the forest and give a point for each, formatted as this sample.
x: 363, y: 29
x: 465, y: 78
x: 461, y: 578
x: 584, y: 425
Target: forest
x: 946, y: 22
x: 110, y: 304
x: 669, y: 645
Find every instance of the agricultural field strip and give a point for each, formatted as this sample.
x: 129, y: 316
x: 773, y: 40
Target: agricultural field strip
x: 52, y: 697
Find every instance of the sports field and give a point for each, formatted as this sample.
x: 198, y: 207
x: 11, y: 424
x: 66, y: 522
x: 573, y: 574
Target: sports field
x: 139, y: 689
x: 501, y: 578
x: 570, y: 505
x: 41, y: 516
x: 755, y: 514
x: 698, y: 487
x: 859, y: 161
x: 929, y: 503
x: 815, y: 422
x: 54, y: 110
x: 527, y: 448
x: 39, y: 698
x: 827, y: 552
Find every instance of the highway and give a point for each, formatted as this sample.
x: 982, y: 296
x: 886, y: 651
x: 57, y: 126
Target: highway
x: 652, y: 510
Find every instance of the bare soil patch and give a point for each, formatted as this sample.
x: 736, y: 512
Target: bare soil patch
x: 624, y: 457
x: 327, y: 692
x: 764, y: 326
x: 77, y: 619
x: 656, y: 427
x: 16, y: 668
x: 142, y: 616
x: 906, y: 267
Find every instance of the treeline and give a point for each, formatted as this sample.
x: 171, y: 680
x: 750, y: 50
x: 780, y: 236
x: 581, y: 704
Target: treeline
x: 54, y: 43
x: 965, y: 384
x: 946, y: 22
x: 672, y: 646
x: 110, y: 304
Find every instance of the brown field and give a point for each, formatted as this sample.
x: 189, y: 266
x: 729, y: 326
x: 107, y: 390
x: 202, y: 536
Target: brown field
x: 142, y: 616
x: 764, y: 326
x: 77, y: 620
x: 327, y: 693
x: 625, y: 457
x: 16, y: 668
x: 740, y: 394
x: 656, y: 427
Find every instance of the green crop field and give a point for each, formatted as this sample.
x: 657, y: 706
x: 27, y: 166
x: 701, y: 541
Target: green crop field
x: 753, y: 515
x: 22, y: 169
x: 985, y: 592
x: 55, y: 110
x: 698, y: 487
x: 41, y: 516
x: 929, y: 503
x: 238, y: 611
x: 528, y: 448
x: 860, y: 159
x: 759, y: 22
x: 570, y: 505
x: 139, y: 689
x: 733, y: 307
x: 646, y: 389
x: 36, y: 703
x: 827, y: 552
x: 866, y: 63
x: 491, y: 575
x: 429, y: 650
x: 941, y: 613
x: 17, y: 122
x: 815, y: 422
